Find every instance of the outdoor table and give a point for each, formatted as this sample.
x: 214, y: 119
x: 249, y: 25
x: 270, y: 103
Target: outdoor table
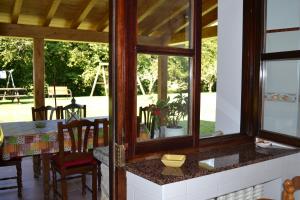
x: 13, y: 93
x: 25, y: 139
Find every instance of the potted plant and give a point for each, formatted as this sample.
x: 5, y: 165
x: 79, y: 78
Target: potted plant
x: 177, y: 109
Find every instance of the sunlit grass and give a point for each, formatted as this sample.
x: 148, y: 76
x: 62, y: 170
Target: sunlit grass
x: 207, y: 128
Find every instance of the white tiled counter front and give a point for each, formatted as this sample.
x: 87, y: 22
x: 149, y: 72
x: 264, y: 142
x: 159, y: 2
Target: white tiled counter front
x: 102, y: 154
x: 270, y: 173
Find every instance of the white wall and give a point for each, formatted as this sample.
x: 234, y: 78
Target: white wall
x: 229, y: 73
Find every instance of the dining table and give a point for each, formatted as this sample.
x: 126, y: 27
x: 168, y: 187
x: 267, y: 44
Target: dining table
x: 29, y: 138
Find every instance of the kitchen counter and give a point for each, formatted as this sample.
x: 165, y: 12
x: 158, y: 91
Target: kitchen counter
x: 210, y: 162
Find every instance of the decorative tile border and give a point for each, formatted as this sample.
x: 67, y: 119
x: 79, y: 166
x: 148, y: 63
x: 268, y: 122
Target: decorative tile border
x: 280, y: 97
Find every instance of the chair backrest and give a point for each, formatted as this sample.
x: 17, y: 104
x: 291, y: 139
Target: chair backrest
x: 289, y: 188
x: 79, y: 132
x: 46, y: 113
x: 74, y: 110
x: 146, y: 117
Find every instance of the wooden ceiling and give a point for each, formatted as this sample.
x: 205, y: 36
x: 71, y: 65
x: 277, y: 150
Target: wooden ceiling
x: 163, y: 20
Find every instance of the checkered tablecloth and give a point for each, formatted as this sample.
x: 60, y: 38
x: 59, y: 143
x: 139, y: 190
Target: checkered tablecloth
x: 24, y: 139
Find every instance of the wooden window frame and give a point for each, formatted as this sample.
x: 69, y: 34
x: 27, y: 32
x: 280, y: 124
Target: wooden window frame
x: 248, y: 128
x: 194, y: 53
x: 260, y: 57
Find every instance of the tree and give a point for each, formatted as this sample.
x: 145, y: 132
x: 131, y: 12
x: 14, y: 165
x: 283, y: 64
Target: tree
x: 66, y: 63
x: 147, y: 72
x: 178, y: 74
x: 209, y: 64
x: 16, y: 54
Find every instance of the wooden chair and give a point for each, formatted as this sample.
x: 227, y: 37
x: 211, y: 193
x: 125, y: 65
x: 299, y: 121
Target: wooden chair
x: 43, y: 113
x: 74, y: 110
x: 13, y: 162
x: 79, y: 160
x: 146, y: 117
x: 46, y: 113
x: 289, y: 188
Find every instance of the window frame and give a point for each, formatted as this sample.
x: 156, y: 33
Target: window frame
x: 194, y: 53
x: 250, y: 83
x: 264, y: 57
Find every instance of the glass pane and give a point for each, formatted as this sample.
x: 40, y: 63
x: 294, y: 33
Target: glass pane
x: 281, y: 97
x: 209, y: 54
x: 283, y: 25
x: 208, y: 87
x: 164, y: 23
x: 163, y: 96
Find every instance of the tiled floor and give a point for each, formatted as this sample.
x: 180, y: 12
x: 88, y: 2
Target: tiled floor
x: 33, y: 188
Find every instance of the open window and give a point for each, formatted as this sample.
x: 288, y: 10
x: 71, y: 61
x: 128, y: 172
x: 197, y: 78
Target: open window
x: 280, y: 72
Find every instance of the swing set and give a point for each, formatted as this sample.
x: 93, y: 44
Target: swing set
x: 10, y: 91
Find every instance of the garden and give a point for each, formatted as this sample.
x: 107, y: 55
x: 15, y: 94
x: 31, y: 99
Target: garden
x: 74, y: 65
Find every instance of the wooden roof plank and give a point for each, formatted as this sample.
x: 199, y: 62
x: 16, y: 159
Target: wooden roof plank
x: 207, y: 32
x: 208, y: 5
x: 87, y: 7
x: 51, y: 11
x: 166, y: 20
x: 103, y: 24
x: 210, y: 17
x: 150, y: 10
x: 207, y: 19
x: 16, y: 11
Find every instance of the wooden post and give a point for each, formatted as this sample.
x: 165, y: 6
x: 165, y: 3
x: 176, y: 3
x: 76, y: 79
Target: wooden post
x: 38, y: 72
x: 162, y: 81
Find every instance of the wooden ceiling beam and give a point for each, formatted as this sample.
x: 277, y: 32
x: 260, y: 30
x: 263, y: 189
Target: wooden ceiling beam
x: 67, y: 34
x: 166, y: 20
x: 210, y: 17
x: 150, y: 10
x: 207, y: 32
x: 208, y: 5
x: 51, y: 33
x: 207, y: 19
x: 16, y: 10
x: 147, y: 12
x: 103, y: 24
x: 86, y: 8
x: 51, y: 12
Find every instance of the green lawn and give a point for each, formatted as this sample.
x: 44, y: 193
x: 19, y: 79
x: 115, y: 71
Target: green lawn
x: 96, y: 106
x: 207, y: 128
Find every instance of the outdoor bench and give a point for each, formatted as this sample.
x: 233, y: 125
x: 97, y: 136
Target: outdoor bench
x: 59, y: 91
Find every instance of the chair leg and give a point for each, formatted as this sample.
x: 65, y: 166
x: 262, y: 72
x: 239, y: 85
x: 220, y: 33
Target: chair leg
x: 64, y: 188
x: 36, y: 165
x: 99, y: 176
x: 94, y: 183
x: 19, y: 178
x: 54, y: 182
x: 83, y: 182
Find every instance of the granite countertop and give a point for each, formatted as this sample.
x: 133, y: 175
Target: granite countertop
x: 203, y: 163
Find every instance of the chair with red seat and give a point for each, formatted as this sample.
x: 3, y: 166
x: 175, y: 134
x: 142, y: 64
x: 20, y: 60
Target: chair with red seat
x: 79, y: 160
